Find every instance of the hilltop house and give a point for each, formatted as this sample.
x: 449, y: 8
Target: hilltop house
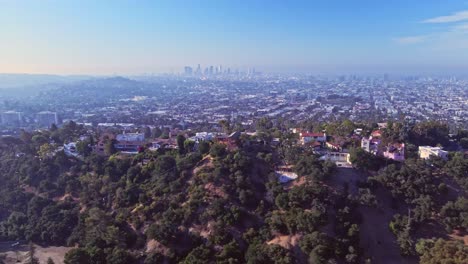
x: 130, y: 142
x: 425, y: 152
x: 395, y: 151
x: 306, y: 137
x: 339, y: 158
x: 169, y: 143
x: 370, y: 144
x: 376, y: 134
x: 202, y: 136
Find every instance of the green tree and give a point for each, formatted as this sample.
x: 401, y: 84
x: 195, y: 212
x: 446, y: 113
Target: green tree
x: 147, y: 132
x: 424, y: 245
x: 405, y: 241
x: 231, y: 253
x: 464, y: 143
x: 109, y: 147
x: 77, y: 256
x: 199, y: 255
x: 455, y: 214
x: 204, y: 147
x: 154, y: 257
x: 39, y: 139
x: 457, y: 167
x: 53, y: 128
x: 188, y: 145
x: 367, y: 198
x: 120, y: 256
x: 423, y: 209
x: 363, y: 160
x: 282, y: 200
x: 445, y: 251
x: 83, y: 148
x: 180, y: 144
x: 312, y: 240
x: 45, y: 151
x: 429, y: 133
x: 162, y: 232
x: 225, y: 125
x: 217, y: 150
x: 156, y: 132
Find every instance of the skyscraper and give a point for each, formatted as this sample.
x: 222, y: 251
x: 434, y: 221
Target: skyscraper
x: 188, y: 70
x: 386, y: 77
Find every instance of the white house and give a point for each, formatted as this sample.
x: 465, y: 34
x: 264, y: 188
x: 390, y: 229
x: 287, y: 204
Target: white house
x: 307, y: 137
x: 341, y: 159
x: 425, y: 152
x: 202, y: 136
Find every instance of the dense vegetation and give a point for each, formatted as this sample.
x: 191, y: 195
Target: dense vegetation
x: 214, y: 204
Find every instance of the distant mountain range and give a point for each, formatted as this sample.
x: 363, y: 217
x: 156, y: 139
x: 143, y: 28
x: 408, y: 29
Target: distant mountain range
x: 24, y: 80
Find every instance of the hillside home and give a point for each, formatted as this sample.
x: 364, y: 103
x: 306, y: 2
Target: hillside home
x: 425, y: 152
x: 306, y: 137
x: 395, y: 151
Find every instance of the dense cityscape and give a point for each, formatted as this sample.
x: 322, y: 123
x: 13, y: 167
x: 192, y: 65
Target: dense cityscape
x: 232, y: 132
x: 193, y: 99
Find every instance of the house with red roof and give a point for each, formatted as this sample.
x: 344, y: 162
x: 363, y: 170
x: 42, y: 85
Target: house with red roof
x: 376, y: 133
x: 306, y: 137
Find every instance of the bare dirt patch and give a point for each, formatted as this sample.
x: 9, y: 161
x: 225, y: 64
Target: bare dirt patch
x: 461, y: 237
x: 215, y: 190
x: 205, y: 162
x: 154, y: 246
x: 20, y: 254
x: 287, y: 241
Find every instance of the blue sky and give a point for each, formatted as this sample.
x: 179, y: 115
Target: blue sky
x: 137, y: 37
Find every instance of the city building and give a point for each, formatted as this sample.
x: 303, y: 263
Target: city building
x: 11, y: 118
x: 47, y: 118
x: 425, y: 152
x: 188, y: 70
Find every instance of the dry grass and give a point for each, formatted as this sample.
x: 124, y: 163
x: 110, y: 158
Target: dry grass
x: 57, y: 254
x: 286, y: 241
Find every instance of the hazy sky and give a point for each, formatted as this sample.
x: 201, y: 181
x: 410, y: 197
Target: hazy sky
x: 136, y: 37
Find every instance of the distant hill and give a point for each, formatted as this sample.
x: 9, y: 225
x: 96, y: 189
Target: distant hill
x: 21, y: 80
